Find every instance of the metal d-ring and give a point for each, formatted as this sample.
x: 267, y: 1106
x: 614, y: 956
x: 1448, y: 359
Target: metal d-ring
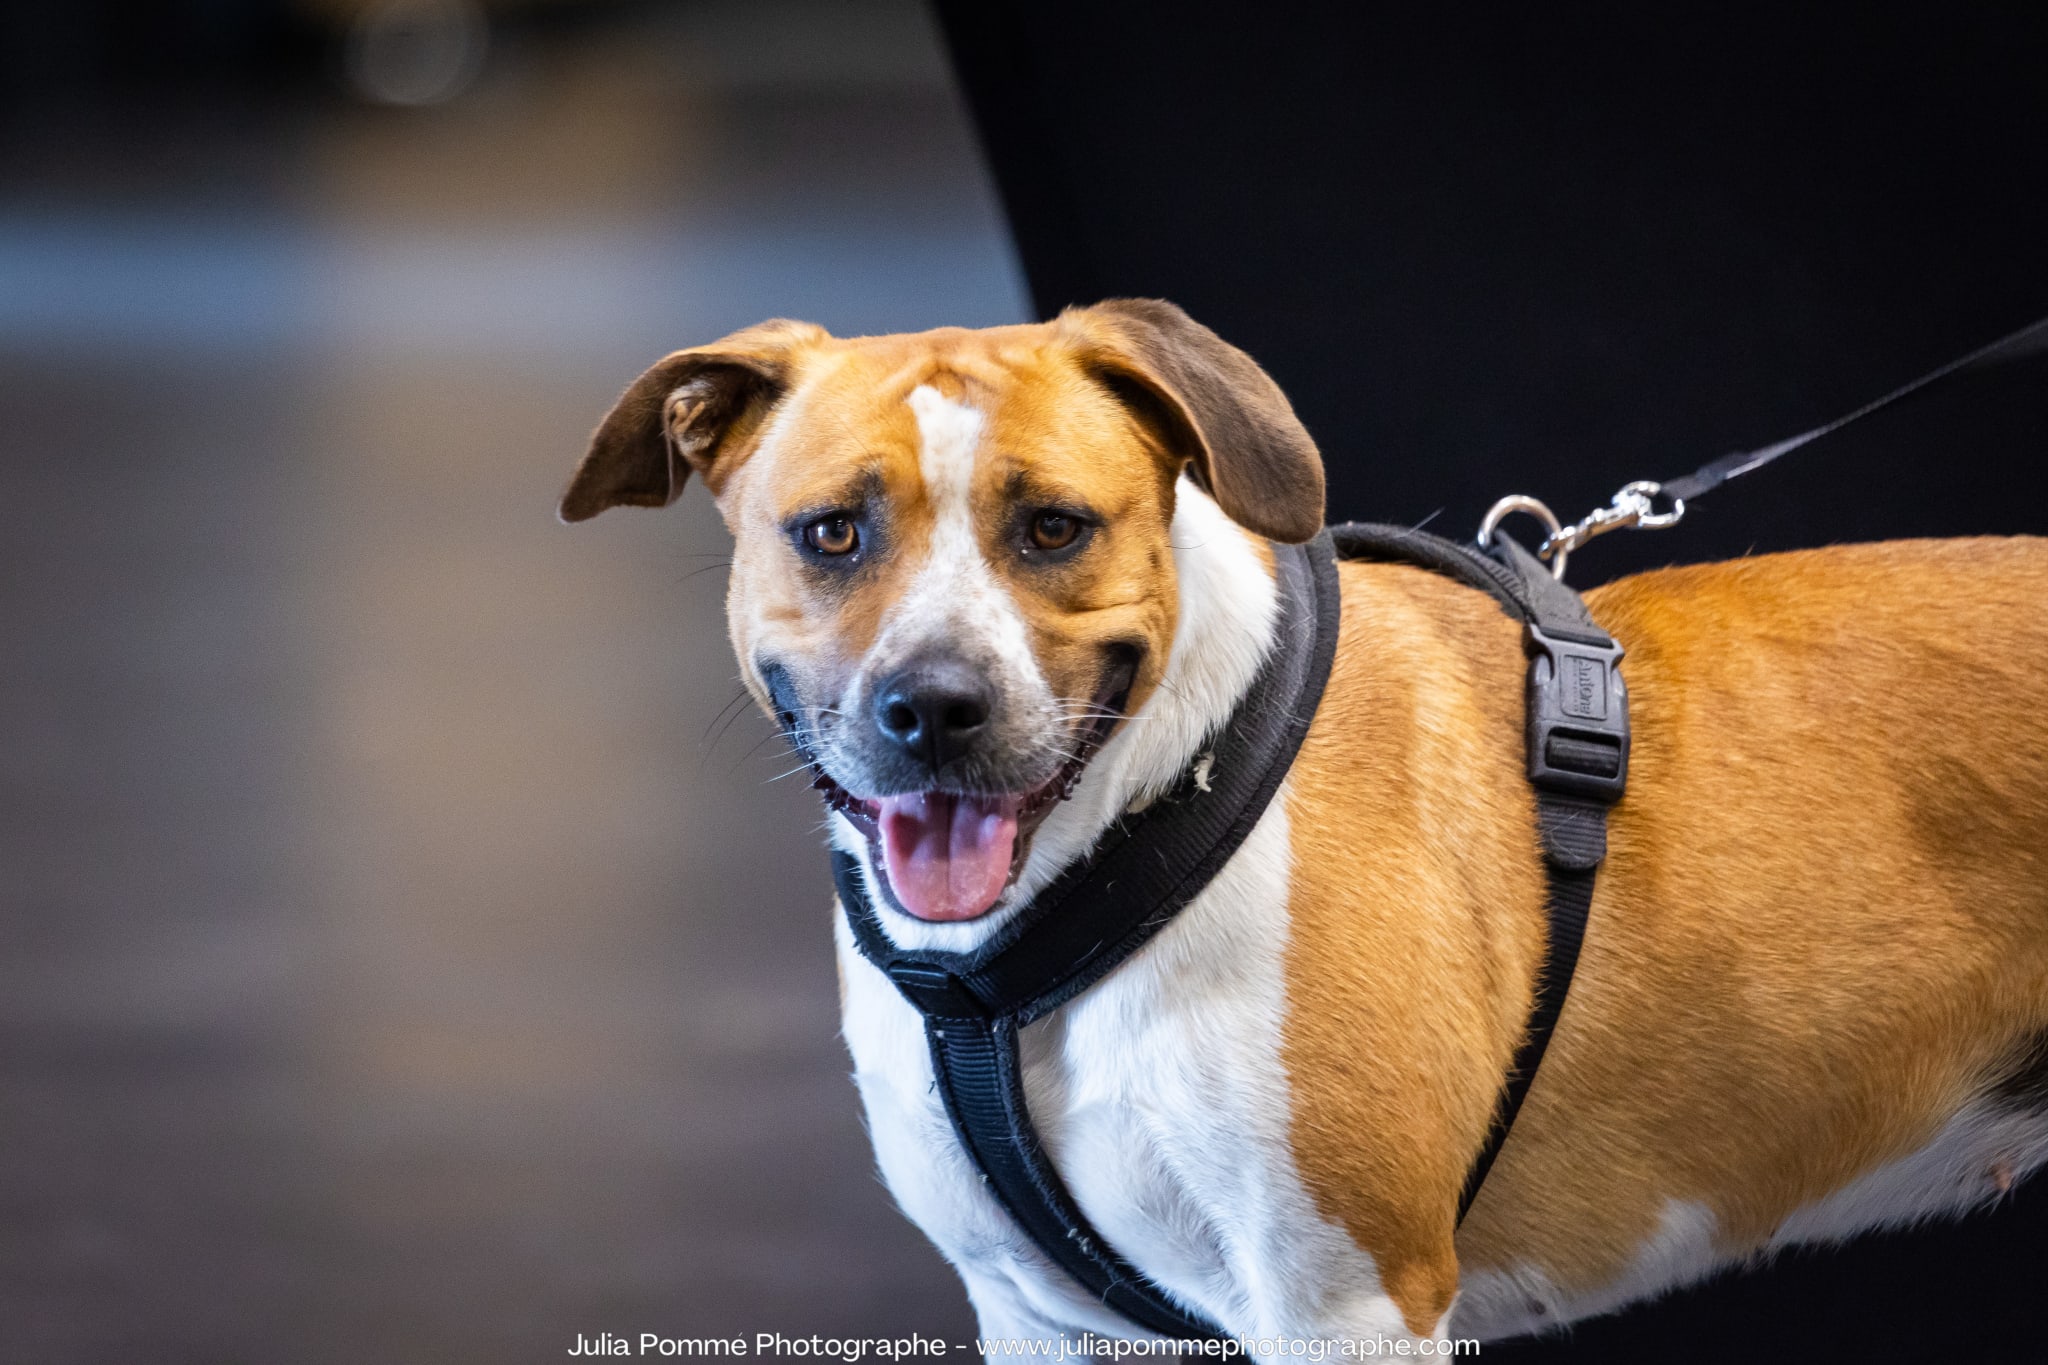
x: 1522, y: 502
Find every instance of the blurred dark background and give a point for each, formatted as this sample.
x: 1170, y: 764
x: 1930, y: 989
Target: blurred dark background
x: 1553, y: 248
x: 405, y: 953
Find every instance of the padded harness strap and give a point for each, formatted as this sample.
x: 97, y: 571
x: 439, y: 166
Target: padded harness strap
x: 1578, y: 741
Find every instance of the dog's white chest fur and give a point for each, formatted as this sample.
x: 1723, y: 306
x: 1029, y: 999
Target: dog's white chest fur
x: 1161, y: 1095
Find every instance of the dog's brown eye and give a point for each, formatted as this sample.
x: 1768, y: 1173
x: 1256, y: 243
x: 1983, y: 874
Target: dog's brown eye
x: 834, y: 535
x: 1054, y: 530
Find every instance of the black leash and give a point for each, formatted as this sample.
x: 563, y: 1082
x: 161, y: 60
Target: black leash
x: 2028, y: 340
x: 1149, y: 866
x: 1636, y: 503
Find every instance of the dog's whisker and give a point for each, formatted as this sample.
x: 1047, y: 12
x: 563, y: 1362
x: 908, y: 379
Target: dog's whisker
x: 753, y: 749
x: 726, y: 714
x: 726, y: 728
x: 702, y: 569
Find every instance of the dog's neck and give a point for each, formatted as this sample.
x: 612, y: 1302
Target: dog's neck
x: 1228, y: 602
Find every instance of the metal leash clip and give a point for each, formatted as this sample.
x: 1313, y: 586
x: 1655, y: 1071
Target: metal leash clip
x: 1635, y: 505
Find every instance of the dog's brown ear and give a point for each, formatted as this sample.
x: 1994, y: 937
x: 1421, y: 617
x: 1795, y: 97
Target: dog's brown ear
x: 1213, y: 407
x: 691, y: 410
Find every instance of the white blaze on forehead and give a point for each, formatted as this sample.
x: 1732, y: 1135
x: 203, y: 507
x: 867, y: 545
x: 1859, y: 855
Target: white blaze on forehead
x: 955, y: 598
x: 949, y: 434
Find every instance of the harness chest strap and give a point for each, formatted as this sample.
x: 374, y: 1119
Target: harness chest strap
x: 1147, y: 868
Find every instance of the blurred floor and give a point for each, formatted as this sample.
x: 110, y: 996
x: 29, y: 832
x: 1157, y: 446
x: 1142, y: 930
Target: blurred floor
x: 401, y: 957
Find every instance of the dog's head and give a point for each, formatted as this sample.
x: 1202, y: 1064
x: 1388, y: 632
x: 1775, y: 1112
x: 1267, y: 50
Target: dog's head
x: 953, y: 577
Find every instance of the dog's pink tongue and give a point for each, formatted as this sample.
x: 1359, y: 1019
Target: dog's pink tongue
x: 948, y: 856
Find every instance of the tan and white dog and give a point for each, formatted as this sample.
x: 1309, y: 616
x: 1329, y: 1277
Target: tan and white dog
x: 1813, y: 998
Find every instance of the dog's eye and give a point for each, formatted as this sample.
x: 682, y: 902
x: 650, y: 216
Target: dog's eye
x: 1054, y: 530
x: 833, y: 535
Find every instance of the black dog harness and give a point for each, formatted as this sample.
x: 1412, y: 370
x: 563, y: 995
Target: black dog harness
x: 1149, y: 865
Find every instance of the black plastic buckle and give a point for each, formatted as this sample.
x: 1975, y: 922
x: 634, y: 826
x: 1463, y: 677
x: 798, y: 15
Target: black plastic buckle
x: 936, y: 992
x: 1578, y: 715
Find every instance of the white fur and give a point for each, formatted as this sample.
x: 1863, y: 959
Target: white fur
x: 1955, y: 1173
x: 949, y: 437
x: 1494, y: 1304
x: 955, y: 597
x: 1161, y: 1097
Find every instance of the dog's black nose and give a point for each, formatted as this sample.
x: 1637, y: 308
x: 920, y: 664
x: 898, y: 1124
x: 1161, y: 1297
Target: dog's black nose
x: 935, y: 710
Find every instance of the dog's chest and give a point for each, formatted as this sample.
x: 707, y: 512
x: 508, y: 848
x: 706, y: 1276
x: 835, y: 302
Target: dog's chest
x: 1161, y: 1097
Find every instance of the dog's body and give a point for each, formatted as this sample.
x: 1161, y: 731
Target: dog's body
x: 1813, y: 997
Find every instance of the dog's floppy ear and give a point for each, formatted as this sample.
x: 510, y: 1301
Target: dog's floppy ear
x: 1213, y: 407
x: 689, y: 411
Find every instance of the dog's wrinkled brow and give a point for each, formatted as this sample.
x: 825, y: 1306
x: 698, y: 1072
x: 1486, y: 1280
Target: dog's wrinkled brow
x: 1026, y: 487
x: 861, y: 489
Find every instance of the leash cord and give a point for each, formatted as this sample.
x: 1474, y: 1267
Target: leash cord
x: 1636, y: 503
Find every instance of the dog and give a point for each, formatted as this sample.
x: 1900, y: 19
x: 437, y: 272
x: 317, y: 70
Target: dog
x: 1008, y: 582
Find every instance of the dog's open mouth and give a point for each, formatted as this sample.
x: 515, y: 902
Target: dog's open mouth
x: 948, y: 856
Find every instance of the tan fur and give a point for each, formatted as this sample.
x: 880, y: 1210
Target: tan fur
x: 1215, y: 407
x: 1412, y: 940
x: 1822, y: 926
